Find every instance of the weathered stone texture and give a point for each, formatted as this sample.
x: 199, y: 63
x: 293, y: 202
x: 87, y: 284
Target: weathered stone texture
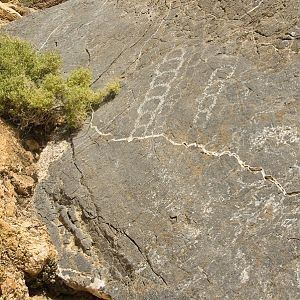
x: 185, y: 186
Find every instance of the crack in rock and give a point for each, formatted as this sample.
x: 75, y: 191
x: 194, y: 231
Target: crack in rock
x: 138, y: 247
x: 145, y: 256
x: 243, y: 165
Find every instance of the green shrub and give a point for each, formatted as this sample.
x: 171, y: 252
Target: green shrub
x: 33, y: 92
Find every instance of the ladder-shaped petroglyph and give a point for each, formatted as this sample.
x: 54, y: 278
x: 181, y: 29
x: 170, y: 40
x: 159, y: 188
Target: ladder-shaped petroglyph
x: 208, y: 99
x: 193, y: 59
x: 160, y: 86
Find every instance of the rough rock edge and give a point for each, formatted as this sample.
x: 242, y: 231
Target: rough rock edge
x: 13, y: 10
x: 52, y: 152
x: 25, y: 247
x: 75, y: 280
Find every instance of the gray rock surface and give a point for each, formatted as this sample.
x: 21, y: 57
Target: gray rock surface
x: 186, y: 185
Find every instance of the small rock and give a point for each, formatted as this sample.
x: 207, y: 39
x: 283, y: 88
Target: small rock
x: 32, y: 145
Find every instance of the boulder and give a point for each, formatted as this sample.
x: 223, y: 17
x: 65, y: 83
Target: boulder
x: 186, y: 185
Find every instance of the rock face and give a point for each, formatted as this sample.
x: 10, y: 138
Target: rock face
x: 11, y: 10
x: 186, y: 186
x: 25, y: 247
